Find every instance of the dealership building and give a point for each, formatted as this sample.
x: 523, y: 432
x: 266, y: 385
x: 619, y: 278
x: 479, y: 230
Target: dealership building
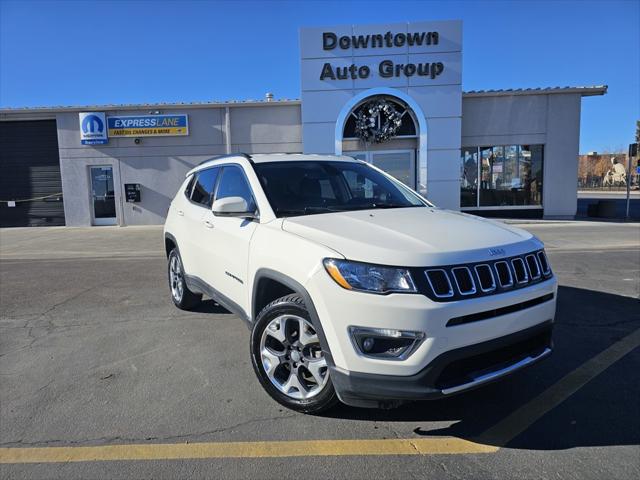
x: 388, y: 94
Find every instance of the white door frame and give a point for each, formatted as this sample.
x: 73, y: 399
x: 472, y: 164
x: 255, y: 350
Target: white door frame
x: 102, y: 221
x: 420, y: 117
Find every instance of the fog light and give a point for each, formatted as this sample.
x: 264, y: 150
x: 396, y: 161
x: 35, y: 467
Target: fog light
x: 385, y: 342
x: 367, y: 345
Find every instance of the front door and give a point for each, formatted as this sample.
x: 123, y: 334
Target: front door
x: 103, y: 200
x: 226, y: 241
x: 401, y: 164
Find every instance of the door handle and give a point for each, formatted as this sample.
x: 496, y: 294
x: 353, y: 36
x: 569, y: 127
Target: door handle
x: 208, y: 224
x: 180, y: 212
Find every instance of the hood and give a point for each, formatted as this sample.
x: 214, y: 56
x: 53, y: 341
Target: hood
x: 418, y: 236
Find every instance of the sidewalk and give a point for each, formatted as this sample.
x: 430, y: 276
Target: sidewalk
x: 53, y: 243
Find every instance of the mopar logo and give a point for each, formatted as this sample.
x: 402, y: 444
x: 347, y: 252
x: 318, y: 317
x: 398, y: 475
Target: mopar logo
x: 93, y: 128
x: 92, y: 124
x: 496, y: 251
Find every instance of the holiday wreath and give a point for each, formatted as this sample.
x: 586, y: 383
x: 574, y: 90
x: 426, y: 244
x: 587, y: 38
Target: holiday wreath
x: 377, y: 121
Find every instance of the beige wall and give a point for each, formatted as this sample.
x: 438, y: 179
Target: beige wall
x: 159, y: 164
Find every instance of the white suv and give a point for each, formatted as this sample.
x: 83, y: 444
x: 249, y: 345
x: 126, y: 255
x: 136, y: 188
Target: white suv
x: 354, y: 286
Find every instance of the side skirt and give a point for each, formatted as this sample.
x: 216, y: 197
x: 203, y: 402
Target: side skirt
x: 196, y: 284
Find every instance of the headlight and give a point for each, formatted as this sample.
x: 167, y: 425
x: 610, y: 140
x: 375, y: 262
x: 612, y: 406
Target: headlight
x: 369, y: 278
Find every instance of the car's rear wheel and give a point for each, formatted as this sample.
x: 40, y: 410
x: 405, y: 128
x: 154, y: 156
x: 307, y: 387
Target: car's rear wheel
x: 288, y: 359
x: 182, y: 297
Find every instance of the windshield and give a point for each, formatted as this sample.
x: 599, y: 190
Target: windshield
x: 310, y: 187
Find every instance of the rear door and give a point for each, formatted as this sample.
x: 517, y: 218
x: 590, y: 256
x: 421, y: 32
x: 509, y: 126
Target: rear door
x: 226, y: 243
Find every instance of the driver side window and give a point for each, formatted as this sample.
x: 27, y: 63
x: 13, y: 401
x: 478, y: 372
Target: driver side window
x: 233, y: 183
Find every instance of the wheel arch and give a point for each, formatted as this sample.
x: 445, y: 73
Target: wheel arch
x: 266, y: 276
x: 170, y: 243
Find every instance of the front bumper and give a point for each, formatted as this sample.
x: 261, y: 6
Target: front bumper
x: 447, y: 326
x: 452, y: 372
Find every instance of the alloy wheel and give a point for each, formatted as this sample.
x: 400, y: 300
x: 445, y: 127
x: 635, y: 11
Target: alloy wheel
x: 292, y: 357
x: 175, y: 278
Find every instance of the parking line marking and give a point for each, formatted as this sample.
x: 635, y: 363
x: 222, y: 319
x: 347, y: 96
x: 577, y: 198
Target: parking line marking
x: 304, y: 448
x: 525, y: 416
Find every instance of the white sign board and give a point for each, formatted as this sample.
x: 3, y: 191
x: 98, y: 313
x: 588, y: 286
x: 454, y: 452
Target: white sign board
x: 93, y: 128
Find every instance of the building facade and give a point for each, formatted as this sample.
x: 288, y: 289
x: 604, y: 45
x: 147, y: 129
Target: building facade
x: 387, y: 94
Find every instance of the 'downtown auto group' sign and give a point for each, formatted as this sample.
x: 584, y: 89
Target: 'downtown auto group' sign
x: 386, y: 68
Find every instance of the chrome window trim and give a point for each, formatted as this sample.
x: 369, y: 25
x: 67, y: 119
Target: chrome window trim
x: 455, y: 279
x: 446, y: 275
x: 546, y: 272
x: 524, y: 269
x: 493, y: 278
x: 535, y: 261
x: 506, y: 285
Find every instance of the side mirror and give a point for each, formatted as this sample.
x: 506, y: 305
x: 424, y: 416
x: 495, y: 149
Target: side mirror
x: 232, y: 207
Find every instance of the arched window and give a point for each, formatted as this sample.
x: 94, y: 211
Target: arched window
x: 406, y: 129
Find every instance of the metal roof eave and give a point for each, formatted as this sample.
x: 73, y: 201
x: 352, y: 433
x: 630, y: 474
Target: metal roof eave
x: 49, y: 112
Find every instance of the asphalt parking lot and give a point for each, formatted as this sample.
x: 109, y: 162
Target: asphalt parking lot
x: 101, y: 377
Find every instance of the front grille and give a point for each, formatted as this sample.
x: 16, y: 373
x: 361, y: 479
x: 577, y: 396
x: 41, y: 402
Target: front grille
x: 457, y: 282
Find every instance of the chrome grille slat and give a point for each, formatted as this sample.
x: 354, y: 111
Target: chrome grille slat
x: 487, y: 268
x: 544, y: 263
x: 521, y: 279
x: 508, y: 284
x: 534, y: 272
x: 464, y: 271
x: 433, y: 288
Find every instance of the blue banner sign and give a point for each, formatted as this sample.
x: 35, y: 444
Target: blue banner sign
x: 148, y: 126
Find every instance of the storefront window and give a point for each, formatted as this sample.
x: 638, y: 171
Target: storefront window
x: 469, y: 177
x: 510, y: 176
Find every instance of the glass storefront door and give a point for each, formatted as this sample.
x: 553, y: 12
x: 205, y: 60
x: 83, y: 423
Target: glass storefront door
x: 399, y: 163
x: 102, y: 196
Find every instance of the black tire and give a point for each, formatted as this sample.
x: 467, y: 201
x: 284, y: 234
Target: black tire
x: 288, y: 305
x: 186, y: 299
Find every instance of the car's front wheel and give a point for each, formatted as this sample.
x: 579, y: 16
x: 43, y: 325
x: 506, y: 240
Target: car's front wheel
x: 182, y: 297
x: 288, y: 359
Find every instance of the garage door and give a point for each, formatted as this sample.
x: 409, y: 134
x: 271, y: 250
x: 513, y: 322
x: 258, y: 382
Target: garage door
x: 30, y: 174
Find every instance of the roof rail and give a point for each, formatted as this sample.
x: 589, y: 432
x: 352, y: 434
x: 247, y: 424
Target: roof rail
x: 228, y: 155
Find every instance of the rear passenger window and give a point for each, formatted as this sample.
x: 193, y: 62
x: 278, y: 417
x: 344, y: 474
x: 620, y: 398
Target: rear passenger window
x: 203, y: 188
x: 234, y: 184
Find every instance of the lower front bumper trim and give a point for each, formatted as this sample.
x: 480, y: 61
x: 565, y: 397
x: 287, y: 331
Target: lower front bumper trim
x: 487, y: 377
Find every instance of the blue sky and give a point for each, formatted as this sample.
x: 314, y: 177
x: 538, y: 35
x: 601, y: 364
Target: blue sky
x: 83, y: 52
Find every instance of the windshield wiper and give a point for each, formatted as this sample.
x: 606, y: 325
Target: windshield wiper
x: 306, y: 210
x: 372, y: 206
x: 392, y: 205
x: 322, y: 209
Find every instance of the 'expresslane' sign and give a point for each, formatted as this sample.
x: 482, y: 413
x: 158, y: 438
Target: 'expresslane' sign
x: 148, y: 125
